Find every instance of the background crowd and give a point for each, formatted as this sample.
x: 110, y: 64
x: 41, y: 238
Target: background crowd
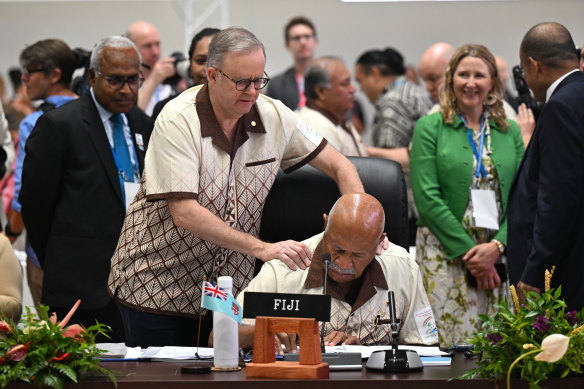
x: 453, y: 122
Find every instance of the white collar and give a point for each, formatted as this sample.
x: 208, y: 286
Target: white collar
x: 104, y: 114
x: 553, y: 86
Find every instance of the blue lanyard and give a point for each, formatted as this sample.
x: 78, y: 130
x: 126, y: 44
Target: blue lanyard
x: 478, y: 153
x: 121, y: 171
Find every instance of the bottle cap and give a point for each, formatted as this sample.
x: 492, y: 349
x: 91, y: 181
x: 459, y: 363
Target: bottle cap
x: 225, y: 282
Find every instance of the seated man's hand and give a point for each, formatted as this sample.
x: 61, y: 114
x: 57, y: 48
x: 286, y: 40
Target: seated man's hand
x: 292, y: 253
x: 339, y: 337
x: 286, y: 340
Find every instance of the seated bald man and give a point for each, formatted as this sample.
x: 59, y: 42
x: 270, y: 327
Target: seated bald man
x: 360, y: 275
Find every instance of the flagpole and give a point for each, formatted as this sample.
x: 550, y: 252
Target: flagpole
x: 196, y: 369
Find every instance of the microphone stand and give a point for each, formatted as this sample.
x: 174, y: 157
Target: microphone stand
x: 326, y: 259
x: 394, y: 360
x: 394, y: 321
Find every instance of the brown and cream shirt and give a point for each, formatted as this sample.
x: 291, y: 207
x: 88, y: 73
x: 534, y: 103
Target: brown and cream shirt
x: 157, y: 266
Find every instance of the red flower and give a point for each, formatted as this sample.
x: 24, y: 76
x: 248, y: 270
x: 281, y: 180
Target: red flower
x: 5, y: 327
x: 59, y: 358
x: 73, y: 331
x: 2, y: 360
x: 17, y: 353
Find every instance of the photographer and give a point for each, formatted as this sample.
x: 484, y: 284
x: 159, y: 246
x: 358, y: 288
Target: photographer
x: 145, y: 37
x: 198, y: 52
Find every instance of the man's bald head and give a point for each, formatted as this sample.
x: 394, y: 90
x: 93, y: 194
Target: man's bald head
x: 360, y: 212
x: 432, y: 67
x: 353, y: 234
x: 145, y: 36
x: 551, y: 45
x: 139, y: 28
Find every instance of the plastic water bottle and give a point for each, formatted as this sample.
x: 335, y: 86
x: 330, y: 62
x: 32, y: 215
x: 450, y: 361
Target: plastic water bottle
x: 225, y: 335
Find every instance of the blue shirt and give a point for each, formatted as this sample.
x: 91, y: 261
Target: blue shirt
x: 24, y: 131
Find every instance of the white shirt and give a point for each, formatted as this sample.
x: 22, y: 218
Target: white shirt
x: 553, y: 86
x: 106, y: 116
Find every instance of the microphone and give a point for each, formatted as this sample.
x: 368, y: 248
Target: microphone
x: 394, y: 360
x: 394, y: 321
x: 326, y: 259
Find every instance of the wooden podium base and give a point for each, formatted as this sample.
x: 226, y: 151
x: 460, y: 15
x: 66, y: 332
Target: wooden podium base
x: 284, y: 369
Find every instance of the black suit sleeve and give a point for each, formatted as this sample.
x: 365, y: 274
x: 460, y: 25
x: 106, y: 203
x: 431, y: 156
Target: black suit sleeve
x: 560, y: 188
x: 41, y: 177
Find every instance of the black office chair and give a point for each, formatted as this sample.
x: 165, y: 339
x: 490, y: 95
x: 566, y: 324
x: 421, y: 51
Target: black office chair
x: 296, y: 202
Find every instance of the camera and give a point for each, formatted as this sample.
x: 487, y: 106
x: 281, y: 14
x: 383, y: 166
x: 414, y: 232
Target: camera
x: 80, y: 83
x: 182, y: 68
x: 525, y: 95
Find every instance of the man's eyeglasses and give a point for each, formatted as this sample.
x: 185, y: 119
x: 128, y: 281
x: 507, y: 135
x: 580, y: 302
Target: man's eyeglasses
x: 298, y: 38
x: 27, y: 72
x: 118, y: 82
x: 243, y: 84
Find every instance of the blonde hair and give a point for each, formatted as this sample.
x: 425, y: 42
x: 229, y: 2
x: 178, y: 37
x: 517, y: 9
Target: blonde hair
x: 492, y: 106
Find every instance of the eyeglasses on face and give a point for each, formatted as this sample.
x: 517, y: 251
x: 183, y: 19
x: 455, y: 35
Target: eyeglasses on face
x: 118, y: 82
x: 298, y: 38
x: 243, y: 84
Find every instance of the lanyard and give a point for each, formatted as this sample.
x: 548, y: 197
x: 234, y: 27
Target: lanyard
x: 478, y: 153
x: 121, y: 171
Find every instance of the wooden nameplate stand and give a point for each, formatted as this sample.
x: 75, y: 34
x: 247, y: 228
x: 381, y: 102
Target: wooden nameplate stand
x: 309, y: 365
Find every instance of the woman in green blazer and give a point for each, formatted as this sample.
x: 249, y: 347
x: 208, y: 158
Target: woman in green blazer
x: 460, y: 254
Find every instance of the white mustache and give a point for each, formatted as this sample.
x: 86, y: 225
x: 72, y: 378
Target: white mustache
x: 333, y: 266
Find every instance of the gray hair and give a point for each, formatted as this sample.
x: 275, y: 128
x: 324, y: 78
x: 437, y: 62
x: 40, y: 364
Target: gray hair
x: 232, y: 40
x: 116, y: 42
x: 319, y: 74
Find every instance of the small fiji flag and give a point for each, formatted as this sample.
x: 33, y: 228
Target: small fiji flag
x: 217, y: 299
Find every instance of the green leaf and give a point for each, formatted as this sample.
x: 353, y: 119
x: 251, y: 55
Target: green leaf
x: 50, y: 380
x: 532, y: 314
x: 65, y: 370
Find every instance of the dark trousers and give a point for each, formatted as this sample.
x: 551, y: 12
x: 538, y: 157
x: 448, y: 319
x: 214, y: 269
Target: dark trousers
x: 109, y: 315
x: 146, y: 329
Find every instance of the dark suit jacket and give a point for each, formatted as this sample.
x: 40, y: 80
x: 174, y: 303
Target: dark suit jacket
x: 72, y: 201
x: 546, y: 202
x: 284, y: 88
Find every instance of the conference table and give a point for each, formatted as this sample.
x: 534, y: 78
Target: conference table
x: 167, y: 375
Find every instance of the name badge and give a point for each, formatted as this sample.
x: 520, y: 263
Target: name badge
x: 130, y: 189
x: 287, y: 305
x: 485, y: 210
x: 140, y: 142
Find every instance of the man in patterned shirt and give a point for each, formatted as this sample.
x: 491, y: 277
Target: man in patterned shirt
x: 212, y: 159
x: 359, y: 277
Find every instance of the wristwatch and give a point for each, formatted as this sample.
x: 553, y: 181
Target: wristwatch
x: 500, y: 245
x: 8, y: 231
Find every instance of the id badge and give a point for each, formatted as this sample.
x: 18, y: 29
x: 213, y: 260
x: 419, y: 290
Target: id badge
x: 130, y: 189
x: 485, y: 210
